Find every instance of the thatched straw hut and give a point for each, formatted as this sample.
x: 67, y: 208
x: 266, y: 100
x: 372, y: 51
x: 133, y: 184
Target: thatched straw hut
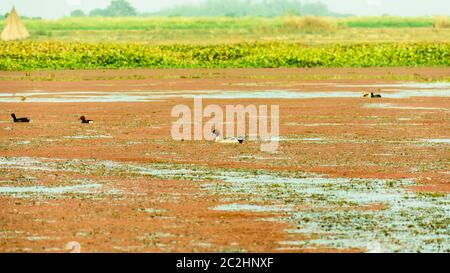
x: 14, y: 29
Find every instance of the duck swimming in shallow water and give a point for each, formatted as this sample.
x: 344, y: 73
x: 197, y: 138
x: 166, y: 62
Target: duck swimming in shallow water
x: 19, y: 119
x: 371, y: 95
x: 218, y: 139
x: 84, y: 120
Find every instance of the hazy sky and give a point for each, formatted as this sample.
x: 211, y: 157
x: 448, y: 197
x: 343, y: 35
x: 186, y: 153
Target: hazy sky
x: 60, y: 8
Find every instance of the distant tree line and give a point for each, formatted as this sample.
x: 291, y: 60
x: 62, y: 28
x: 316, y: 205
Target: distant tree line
x: 238, y: 8
x: 21, y: 16
x: 117, y: 8
x: 231, y: 8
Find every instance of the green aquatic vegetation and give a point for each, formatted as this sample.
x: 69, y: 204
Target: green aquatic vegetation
x: 387, y: 22
x: 60, y: 55
x: 431, y: 194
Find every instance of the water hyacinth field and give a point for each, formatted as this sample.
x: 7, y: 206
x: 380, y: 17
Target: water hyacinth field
x: 58, y: 55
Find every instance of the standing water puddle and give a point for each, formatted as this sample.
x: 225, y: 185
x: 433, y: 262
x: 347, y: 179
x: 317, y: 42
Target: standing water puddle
x: 332, y: 212
x: 395, y: 106
x: 437, y: 140
x: 416, y: 85
x: 25, y: 191
x: 427, y: 90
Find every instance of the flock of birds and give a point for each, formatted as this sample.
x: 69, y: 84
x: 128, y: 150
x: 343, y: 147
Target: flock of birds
x: 218, y: 137
x: 83, y: 119
x: 26, y: 120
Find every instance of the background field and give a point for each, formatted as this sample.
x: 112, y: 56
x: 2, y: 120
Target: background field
x: 213, y: 30
x: 226, y: 42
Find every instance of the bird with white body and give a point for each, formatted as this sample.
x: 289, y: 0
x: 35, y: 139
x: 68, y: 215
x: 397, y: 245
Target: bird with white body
x: 219, y: 139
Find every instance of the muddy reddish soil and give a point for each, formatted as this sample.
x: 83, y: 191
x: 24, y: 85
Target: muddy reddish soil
x: 205, y: 79
x: 340, y: 137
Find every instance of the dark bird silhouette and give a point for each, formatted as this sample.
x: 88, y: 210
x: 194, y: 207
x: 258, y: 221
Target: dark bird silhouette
x: 372, y: 95
x: 84, y: 120
x: 19, y: 119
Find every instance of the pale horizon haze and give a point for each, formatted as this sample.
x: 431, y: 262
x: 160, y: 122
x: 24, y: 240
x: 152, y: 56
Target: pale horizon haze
x: 61, y: 8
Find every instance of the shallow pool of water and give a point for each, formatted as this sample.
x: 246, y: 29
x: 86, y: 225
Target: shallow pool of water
x: 249, y: 207
x: 438, y: 90
x: 396, y: 106
x: 340, y: 212
x: 420, y: 85
x: 49, y: 190
x: 437, y: 140
x: 87, y: 137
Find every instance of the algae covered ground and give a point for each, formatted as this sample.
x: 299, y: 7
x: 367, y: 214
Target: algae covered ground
x: 351, y: 174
